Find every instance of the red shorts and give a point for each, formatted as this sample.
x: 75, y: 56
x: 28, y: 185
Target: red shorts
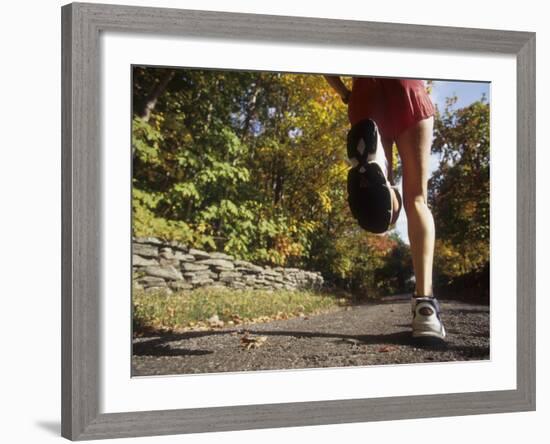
x: 394, y: 104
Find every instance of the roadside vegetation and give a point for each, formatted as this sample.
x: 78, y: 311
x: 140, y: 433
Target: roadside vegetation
x: 207, y: 308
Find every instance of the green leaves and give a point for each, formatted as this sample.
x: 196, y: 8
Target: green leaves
x: 186, y: 190
x: 251, y: 163
x: 146, y: 142
x: 460, y: 190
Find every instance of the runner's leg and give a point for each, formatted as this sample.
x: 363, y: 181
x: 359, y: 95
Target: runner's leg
x: 414, y: 146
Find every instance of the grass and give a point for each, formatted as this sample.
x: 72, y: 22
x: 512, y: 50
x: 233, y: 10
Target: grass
x: 210, y: 308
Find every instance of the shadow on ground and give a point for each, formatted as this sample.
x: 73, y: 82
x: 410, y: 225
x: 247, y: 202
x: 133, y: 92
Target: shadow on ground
x: 368, y: 334
x: 158, y: 345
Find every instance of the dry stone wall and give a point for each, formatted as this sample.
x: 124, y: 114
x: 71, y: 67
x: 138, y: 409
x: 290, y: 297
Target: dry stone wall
x: 171, y: 266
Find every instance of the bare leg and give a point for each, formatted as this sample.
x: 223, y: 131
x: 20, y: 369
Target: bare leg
x: 414, y: 149
x: 387, y: 143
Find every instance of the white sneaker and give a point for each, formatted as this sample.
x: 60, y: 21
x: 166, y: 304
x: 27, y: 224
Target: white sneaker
x: 426, y: 321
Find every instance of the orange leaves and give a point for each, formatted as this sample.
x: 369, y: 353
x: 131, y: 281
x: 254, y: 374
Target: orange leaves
x: 382, y: 244
x: 286, y: 247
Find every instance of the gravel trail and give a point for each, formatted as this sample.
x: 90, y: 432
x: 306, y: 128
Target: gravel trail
x: 370, y: 334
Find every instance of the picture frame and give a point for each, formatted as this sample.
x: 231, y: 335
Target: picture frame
x: 82, y: 24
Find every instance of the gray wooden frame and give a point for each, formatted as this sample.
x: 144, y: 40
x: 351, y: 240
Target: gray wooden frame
x: 81, y: 230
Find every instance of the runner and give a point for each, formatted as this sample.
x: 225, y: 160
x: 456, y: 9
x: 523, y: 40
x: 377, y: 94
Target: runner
x: 403, y: 113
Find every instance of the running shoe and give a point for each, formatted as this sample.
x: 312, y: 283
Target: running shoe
x: 427, y: 321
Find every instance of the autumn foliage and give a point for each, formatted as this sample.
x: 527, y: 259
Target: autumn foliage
x: 254, y: 163
x: 460, y: 193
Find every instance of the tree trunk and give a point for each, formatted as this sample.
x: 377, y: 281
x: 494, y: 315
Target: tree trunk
x: 151, y: 101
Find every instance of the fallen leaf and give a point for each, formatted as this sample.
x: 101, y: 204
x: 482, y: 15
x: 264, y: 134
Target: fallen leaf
x: 214, y: 321
x: 386, y: 349
x: 249, y: 342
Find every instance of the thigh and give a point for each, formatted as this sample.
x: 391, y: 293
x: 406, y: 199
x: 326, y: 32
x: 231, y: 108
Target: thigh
x: 414, y: 147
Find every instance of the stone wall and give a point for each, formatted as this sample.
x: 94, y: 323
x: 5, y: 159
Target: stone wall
x: 169, y: 266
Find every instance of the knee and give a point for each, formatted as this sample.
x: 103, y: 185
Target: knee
x: 414, y: 204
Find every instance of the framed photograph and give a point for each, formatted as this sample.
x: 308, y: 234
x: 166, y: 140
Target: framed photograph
x: 249, y: 206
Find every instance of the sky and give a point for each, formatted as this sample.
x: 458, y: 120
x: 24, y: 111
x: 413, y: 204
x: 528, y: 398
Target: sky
x: 466, y: 92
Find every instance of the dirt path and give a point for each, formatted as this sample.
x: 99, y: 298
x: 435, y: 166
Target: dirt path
x: 357, y: 336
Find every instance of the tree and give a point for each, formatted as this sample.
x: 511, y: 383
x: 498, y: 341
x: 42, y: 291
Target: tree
x: 460, y: 189
x: 252, y: 163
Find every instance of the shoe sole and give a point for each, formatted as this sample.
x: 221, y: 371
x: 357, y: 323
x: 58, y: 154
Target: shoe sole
x: 379, y: 184
x: 369, y: 197
x: 430, y: 334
